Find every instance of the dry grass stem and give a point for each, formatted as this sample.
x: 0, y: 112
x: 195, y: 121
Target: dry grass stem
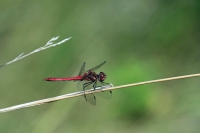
x: 104, y: 88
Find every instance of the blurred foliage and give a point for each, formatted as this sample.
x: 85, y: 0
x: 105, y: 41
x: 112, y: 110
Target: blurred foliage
x: 140, y: 40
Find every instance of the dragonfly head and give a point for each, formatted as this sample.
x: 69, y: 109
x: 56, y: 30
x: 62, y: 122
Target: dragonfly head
x: 102, y: 76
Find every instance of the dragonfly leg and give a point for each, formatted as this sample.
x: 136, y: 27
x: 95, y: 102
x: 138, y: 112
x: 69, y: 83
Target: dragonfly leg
x: 95, y: 85
x: 104, y: 83
x: 85, y: 85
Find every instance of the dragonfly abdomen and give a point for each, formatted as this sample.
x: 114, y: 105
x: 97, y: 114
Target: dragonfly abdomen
x: 64, y: 79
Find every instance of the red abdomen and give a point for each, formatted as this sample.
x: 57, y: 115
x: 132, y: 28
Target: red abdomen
x: 64, y: 79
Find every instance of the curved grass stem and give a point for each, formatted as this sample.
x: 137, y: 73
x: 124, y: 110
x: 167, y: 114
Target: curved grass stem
x: 99, y: 89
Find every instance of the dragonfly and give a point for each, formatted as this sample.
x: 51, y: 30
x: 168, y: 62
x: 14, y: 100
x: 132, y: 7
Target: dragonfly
x: 88, y: 80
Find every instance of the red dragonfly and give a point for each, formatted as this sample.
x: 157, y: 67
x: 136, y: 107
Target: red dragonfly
x: 88, y: 80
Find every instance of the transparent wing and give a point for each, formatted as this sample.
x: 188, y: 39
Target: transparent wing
x: 80, y: 85
x: 82, y: 69
x: 97, y: 67
x: 104, y: 94
x: 88, y: 85
x: 90, y: 97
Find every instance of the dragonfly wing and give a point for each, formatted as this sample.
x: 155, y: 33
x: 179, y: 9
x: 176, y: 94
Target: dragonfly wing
x: 82, y: 69
x: 97, y: 67
x: 90, y: 97
x: 104, y: 94
x: 80, y: 85
x: 88, y: 85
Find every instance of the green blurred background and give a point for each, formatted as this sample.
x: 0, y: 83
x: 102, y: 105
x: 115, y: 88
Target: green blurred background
x: 140, y: 40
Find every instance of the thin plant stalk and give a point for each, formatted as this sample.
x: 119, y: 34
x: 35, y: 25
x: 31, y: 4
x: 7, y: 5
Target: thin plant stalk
x: 100, y: 89
x: 49, y: 44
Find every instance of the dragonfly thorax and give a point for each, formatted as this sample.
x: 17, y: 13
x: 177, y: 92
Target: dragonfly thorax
x: 92, y: 76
